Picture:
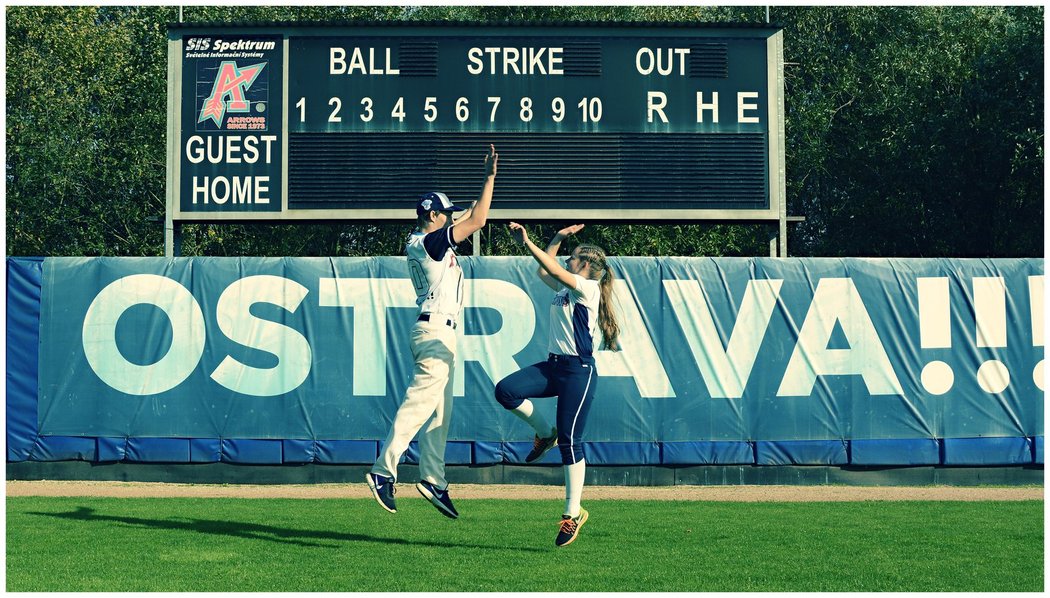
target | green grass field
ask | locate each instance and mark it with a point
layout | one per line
(177, 544)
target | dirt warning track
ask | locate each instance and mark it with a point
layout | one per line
(468, 491)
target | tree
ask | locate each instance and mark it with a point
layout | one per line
(915, 131)
(86, 102)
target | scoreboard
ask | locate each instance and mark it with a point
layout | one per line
(644, 122)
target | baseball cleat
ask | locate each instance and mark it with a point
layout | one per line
(570, 528)
(540, 446)
(382, 489)
(439, 498)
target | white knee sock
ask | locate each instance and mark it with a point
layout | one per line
(574, 487)
(534, 418)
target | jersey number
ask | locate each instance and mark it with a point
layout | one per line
(419, 278)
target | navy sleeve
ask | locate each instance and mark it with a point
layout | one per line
(438, 242)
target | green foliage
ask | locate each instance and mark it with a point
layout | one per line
(911, 131)
(86, 114)
(248, 545)
(915, 131)
(642, 239)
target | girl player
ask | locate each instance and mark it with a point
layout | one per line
(581, 307)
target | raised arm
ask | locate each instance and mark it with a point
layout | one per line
(466, 214)
(548, 264)
(552, 250)
(479, 211)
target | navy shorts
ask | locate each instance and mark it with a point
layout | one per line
(570, 378)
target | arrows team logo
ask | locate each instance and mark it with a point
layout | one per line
(228, 93)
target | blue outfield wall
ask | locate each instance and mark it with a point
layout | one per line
(761, 361)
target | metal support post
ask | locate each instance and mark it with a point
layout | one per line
(783, 232)
(172, 238)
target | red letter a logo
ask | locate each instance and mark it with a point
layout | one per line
(232, 82)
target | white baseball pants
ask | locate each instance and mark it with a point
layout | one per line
(427, 405)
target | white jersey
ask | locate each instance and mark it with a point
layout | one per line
(574, 319)
(435, 272)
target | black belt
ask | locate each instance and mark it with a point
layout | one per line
(426, 318)
(564, 358)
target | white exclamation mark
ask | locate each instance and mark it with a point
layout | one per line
(1035, 296)
(989, 307)
(935, 332)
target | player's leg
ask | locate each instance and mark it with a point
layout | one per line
(431, 373)
(576, 394)
(432, 441)
(514, 393)
(434, 437)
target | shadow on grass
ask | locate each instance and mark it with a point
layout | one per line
(254, 531)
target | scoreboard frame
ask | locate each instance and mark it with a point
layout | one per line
(237, 158)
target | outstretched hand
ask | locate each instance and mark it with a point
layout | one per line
(570, 230)
(518, 233)
(491, 160)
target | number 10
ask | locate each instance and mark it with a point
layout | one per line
(590, 109)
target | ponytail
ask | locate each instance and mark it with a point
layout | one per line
(606, 313)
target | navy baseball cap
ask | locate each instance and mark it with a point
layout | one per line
(435, 200)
